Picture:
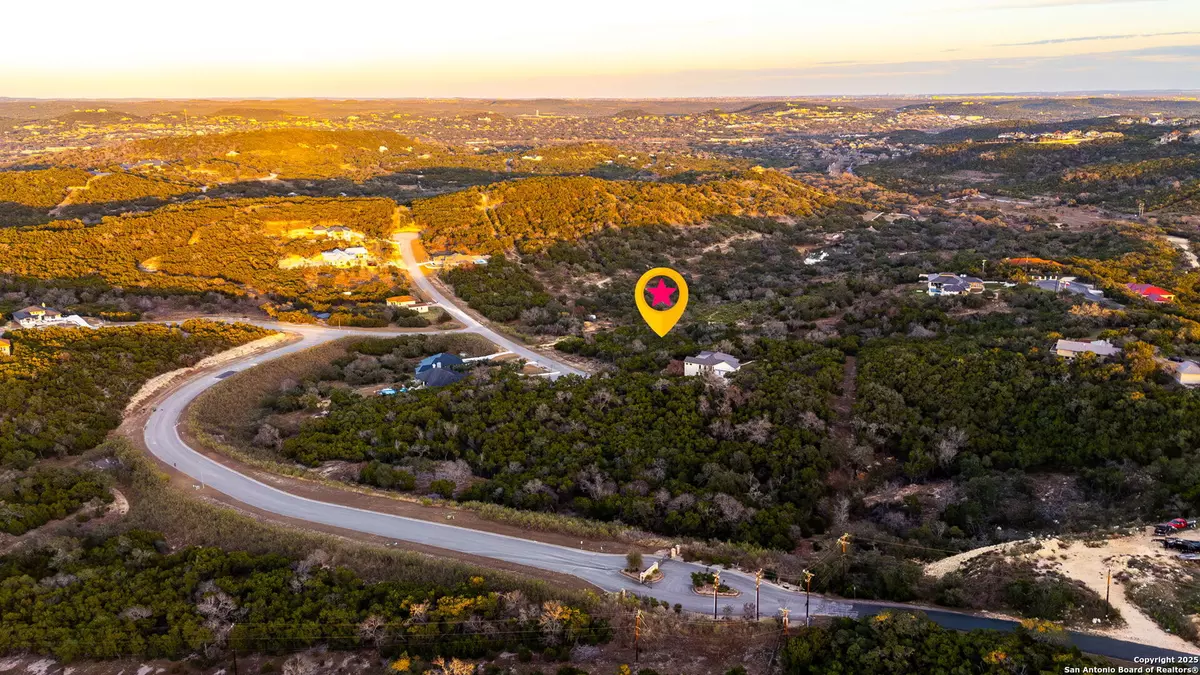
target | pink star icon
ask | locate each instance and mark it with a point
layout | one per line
(660, 294)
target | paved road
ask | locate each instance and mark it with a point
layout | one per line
(404, 240)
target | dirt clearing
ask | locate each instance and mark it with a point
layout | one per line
(1091, 562)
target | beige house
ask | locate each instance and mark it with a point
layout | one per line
(5, 347)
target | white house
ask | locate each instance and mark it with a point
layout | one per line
(1069, 349)
(717, 363)
(351, 255)
(1187, 373)
(944, 283)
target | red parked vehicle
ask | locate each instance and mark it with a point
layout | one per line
(1173, 526)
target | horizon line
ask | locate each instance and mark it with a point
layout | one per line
(1070, 93)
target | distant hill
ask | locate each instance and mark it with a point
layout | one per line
(770, 107)
(531, 214)
(97, 117)
(312, 154)
(1118, 172)
(631, 113)
(287, 153)
(1042, 108)
(231, 247)
(261, 114)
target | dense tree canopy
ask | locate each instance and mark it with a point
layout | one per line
(26, 197)
(47, 494)
(128, 596)
(503, 291)
(534, 213)
(64, 388)
(232, 247)
(895, 642)
(957, 406)
(742, 461)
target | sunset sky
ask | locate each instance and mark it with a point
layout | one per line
(616, 48)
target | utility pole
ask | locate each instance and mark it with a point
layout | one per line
(844, 541)
(716, 587)
(1107, 591)
(757, 583)
(637, 634)
(808, 577)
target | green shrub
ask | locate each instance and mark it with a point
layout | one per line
(443, 487)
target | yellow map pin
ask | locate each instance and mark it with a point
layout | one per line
(661, 321)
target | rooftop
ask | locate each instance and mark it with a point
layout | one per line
(1101, 347)
(439, 377)
(707, 358)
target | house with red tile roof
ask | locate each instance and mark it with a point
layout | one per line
(1152, 293)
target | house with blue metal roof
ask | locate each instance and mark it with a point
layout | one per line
(439, 377)
(442, 360)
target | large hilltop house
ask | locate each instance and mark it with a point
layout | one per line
(350, 256)
(715, 363)
(34, 316)
(345, 257)
(1152, 293)
(945, 283)
(42, 317)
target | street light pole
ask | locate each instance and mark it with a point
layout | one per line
(808, 577)
(845, 543)
(716, 587)
(757, 583)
